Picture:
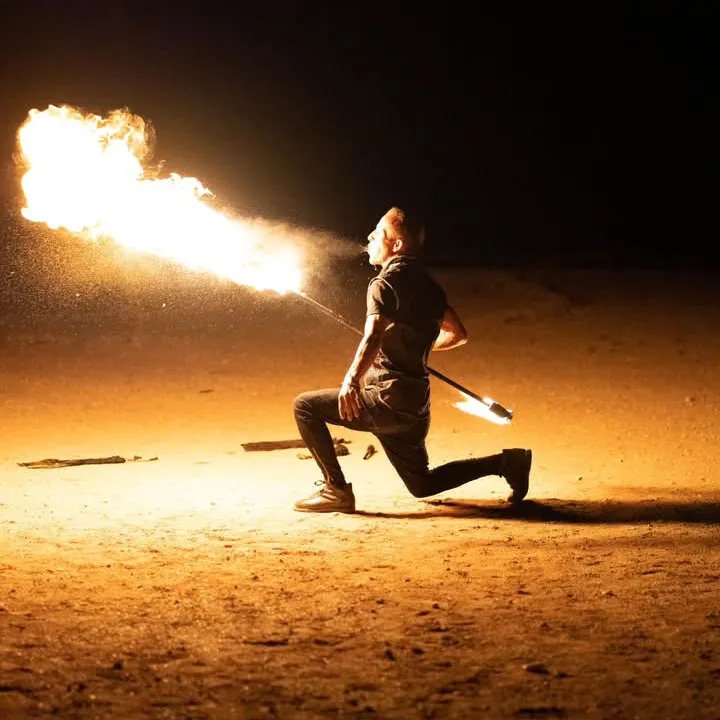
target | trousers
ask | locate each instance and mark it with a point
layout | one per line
(401, 435)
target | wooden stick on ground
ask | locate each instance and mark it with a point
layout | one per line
(49, 463)
(282, 444)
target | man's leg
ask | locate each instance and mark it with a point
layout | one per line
(313, 411)
(405, 449)
(408, 455)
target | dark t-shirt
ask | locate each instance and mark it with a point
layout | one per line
(415, 304)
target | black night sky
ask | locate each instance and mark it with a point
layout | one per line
(579, 138)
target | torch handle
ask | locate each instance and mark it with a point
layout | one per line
(330, 313)
(457, 386)
(339, 318)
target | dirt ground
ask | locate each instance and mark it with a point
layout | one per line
(186, 586)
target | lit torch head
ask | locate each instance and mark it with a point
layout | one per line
(487, 409)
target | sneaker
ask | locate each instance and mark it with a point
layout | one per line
(516, 470)
(329, 498)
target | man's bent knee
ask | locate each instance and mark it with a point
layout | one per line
(302, 405)
(418, 486)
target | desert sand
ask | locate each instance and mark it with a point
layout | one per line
(187, 587)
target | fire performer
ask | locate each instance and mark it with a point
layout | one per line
(386, 390)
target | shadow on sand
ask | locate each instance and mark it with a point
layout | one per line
(569, 511)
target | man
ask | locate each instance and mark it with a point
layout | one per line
(386, 390)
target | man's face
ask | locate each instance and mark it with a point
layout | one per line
(380, 243)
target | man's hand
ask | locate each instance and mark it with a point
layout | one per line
(349, 399)
(349, 396)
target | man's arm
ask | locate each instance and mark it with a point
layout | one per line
(349, 397)
(452, 332)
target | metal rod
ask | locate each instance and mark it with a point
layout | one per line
(493, 406)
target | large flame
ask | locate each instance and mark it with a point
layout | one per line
(480, 409)
(85, 174)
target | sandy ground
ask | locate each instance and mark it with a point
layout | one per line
(186, 587)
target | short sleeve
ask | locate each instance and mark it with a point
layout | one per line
(381, 298)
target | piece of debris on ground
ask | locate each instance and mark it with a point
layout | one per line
(369, 452)
(266, 445)
(49, 463)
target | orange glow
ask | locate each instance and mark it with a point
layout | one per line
(480, 409)
(85, 173)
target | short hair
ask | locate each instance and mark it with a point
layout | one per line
(408, 227)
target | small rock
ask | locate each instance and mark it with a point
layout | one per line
(536, 667)
(389, 654)
(268, 642)
(540, 711)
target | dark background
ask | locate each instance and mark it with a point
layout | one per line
(579, 138)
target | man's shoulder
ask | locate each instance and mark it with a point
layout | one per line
(411, 273)
(406, 267)
(380, 282)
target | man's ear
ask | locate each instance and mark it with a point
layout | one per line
(398, 245)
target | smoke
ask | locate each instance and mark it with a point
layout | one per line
(321, 249)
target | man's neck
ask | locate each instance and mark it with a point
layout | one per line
(392, 258)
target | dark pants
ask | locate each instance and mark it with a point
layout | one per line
(402, 437)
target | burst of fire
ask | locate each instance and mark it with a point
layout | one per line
(480, 409)
(85, 173)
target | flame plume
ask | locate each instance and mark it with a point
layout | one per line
(85, 173)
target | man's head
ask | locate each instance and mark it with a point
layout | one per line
(396, 233)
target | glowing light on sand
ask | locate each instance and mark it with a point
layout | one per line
(85, 173)
(480, 409)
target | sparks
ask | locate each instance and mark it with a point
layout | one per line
(85, 174)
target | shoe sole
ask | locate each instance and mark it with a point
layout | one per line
(346, 511)
(515, 497)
